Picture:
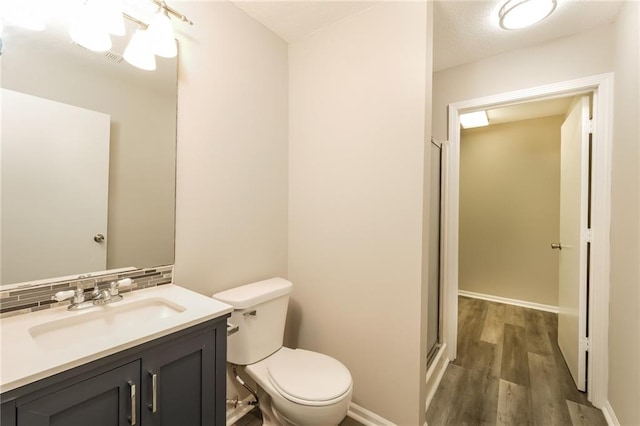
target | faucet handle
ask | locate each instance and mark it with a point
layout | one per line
(114, 286)
(125, 282)
(77, 295)
(63, 295)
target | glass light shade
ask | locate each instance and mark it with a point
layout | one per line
(90, 36)
(139, 52)
(27, 19)
(516, 14)
(88, 27)
(112, 15)
(162, 38)
(474, 119)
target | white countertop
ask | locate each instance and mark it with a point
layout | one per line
(24, 360)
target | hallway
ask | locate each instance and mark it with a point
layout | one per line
(509, 371)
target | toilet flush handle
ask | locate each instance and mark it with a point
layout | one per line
(232, 328)
(251, 313)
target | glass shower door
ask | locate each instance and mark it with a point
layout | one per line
(434, 304)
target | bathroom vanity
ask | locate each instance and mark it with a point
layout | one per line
(157, 358)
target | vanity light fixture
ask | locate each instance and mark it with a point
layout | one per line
(163, 41)
(89, 28)
(139, 52)
(25, 15)
(94, 21)
(517, 14)
(474, 119)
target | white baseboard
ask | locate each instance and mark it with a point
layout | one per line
(362, 415)
(366, 417)
(516, 302)
(235, 414)
(609, 415)
(435, 372)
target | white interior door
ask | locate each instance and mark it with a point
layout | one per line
(574, 187)
(54, 180)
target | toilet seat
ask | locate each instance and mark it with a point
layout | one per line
(308, 378)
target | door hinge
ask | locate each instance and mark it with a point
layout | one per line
(585, 344)
(587, 235)
(590, 126)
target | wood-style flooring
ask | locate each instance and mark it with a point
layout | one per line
(509, 371)
(254, 418)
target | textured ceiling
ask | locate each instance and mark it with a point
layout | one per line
(292, 19)
(464, 31)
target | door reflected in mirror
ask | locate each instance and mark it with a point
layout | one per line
(134, 165)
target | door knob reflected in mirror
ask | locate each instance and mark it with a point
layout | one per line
(98, 238)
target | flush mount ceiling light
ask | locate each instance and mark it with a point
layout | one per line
(516, 14)
(474, 119)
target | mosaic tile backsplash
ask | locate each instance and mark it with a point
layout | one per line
(22, 300)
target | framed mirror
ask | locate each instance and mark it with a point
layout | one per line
(55, 176)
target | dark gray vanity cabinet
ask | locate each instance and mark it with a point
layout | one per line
(107, 399)
(177, 380)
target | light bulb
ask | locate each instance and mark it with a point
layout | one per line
(90, 36)
(161, 32)
(139, 52)
(88, 28)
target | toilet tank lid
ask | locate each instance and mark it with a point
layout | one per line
(253, 294)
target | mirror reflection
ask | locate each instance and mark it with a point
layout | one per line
(87, 158)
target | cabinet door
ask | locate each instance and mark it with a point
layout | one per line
(108, 399)
(184, 376)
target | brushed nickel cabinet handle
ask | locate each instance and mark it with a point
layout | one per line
(132, 388)
(154, 392)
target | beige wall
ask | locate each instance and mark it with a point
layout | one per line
(585, 54)
(231, 201)
(606, 49)
(624, 328)
(231, 213)
(142, 145)
(357, 131)
(510, 209)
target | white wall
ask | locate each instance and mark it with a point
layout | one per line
(231, 213)
(510, 210)
(609, 48)
(624, 328)
(356, 158)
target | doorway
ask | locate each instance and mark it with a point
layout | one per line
(600, 87)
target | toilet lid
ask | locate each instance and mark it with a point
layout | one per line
(304, 376)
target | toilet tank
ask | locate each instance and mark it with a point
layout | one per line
(260, 312)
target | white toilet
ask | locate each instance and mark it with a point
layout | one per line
(295, 386)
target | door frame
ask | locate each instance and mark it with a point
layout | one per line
(601, 86)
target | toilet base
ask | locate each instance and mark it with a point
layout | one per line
(272, 417)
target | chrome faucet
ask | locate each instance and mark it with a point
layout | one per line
(96, 298)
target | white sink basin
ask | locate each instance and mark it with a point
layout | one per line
(43, 343)
(101, 322)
